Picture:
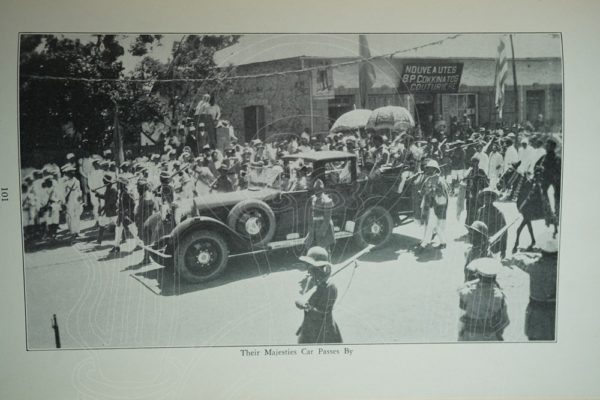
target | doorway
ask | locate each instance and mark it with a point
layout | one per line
(254, 123)
(535, 104)
(424, 117)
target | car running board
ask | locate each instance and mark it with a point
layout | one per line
(284, 244)
(300, 241)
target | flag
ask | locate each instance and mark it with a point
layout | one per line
(501, 75)
(366, 71)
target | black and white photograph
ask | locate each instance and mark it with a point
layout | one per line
(290, 189)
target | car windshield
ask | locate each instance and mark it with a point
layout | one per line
(261, 177)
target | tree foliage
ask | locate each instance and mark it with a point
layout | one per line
(192, 57)
(143, 43)
(57, 116)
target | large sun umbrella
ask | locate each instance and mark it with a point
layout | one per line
(351, 120)
(390, 117)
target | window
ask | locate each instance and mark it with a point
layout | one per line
(455, 105)
(535, 102)
(338, 106)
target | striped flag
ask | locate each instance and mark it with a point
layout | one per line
(501, 75)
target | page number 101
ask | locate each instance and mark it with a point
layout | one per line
(4, 194)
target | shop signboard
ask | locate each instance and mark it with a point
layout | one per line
(430, 77)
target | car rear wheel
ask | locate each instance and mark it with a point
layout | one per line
(201, 256)
(374, 226)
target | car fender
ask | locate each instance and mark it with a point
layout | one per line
(374, 200)
(206, 223)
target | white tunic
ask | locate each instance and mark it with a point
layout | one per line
(510, 157)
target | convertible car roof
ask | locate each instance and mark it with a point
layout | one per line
(313, 156)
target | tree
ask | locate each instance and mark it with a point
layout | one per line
(143, 43)
(60, 114)
(192, 57)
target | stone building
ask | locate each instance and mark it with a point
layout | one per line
(286, 101)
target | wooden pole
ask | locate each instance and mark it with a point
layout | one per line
(312, 124)
(514, 68)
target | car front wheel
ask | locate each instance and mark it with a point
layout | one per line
(201, 256)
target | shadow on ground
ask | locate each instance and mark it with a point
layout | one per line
(163, 281)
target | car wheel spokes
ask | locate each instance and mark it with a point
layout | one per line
(375, 228)
(252, 224)
(203, 257)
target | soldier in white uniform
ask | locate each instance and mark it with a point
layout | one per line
(525, 157)
(484, 160)
(51, 205)
(73, 199)
(511, 156)
(496, 167)
(28, 205)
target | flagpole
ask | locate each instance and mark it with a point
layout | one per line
(117, 138)
(498, 112)
(312, 119)
(514, 68)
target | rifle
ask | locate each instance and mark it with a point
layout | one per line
(72, 187)
(45, 207)
(309, 286)
(134, 176)
(502, 231)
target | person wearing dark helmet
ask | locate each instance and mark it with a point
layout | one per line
(480, 247)
(550, 172)
(541, 266)
(493, 218)
(147, 206)
(108, 211)
(319, 296)
(476, 180)
(125, 213)
(320, 224)
(485, 311)
(434, 206)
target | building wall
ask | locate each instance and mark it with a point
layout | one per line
(287, 99)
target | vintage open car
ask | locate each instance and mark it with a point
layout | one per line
(268, 215)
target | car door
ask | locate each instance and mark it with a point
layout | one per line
(291, 210)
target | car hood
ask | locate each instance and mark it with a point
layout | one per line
(217, 199)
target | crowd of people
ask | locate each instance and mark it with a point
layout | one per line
(477, 166)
